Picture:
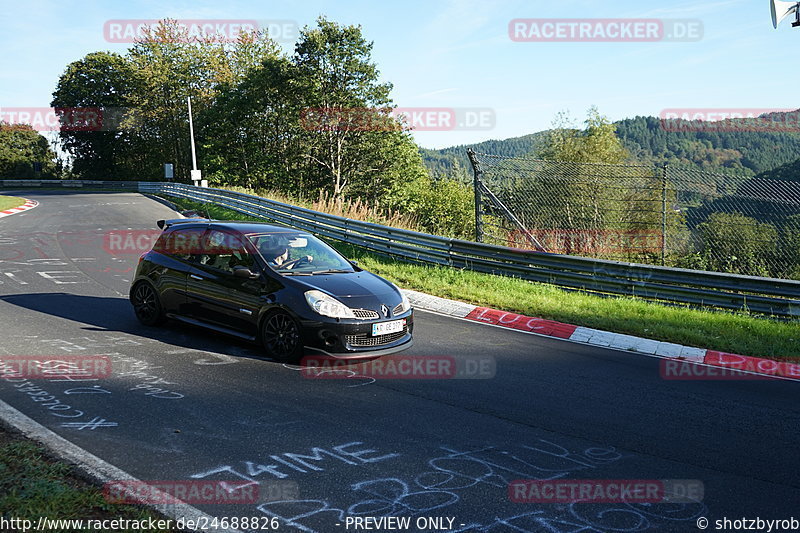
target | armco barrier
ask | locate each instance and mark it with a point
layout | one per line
(777, 297)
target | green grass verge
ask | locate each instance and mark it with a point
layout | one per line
(705, 328)
(7, 202)
(33, 485)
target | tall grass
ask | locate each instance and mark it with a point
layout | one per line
(324, 202)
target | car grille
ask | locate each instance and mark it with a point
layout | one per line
(363, 340)
(397, 309)
(365, 314)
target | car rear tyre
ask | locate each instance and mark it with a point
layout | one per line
(147, 305)
(280, 335)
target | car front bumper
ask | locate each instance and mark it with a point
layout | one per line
(354, 339)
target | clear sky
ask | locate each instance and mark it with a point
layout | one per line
(458, 54)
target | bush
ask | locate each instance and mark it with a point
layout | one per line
(441, 207)
(732, 242)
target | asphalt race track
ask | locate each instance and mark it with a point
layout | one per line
(181, 403)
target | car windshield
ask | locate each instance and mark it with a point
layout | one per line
(298, 253)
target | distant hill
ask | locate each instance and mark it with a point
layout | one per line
(453, 161)
(733, 145)
(787, 172)
(738, 148)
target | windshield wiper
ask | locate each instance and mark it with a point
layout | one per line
(333, 271)
(293, 273)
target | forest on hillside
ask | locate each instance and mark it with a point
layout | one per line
(735, 148)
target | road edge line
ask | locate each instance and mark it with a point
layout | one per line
(97, 469)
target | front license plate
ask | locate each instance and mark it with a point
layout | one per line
(382, 328)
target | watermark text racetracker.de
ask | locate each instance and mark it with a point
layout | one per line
(105, 525)
(398, 119)
(52, 367)
(193, 30)
(76, 119)
(609, 30)
(730, 119)
(119, 242)
(401, 367)
(198, 492)
(722, 366)
(644, 491)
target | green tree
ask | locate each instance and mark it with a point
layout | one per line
(348, 106)
(597, 143)
(253, 137)
(101, 82)
(443, 206)
(252, 132)
(789, 248)
(579, 187)
(171, 66)
(20, 147)
(317, 121)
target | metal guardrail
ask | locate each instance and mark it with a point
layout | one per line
(68, 184)
(770, 296)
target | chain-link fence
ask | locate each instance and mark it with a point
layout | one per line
(667, 215)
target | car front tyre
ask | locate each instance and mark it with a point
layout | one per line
(280, 335)
(146, 304)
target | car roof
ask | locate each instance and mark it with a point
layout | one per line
(245, 227)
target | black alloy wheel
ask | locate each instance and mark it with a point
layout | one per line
(146, 305)
(280, 335)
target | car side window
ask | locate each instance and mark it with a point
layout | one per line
(224, 251)
(180, 243)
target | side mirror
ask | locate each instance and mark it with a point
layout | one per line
(353, 262)
(244, 273)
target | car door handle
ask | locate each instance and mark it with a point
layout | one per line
(195, 277)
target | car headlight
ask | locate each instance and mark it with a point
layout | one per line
(405, 302)
(328, 305)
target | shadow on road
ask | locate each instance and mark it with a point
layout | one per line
(116, 315)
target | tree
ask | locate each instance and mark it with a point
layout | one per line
(443, 206)
(581, 190)
(253, 130)
(101, 82)
(597, 143)
(589, 200)
(316, 121)
(789, 249)
(20, 147)
(172, 66)
(350, 109)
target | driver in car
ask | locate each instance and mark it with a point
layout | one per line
(279, 258)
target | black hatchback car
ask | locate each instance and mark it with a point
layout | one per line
(278, 285)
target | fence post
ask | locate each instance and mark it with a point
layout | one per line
(664, 215)
(476, 186)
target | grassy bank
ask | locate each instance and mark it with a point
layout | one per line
(7, 202)
(33, 485)
(719, 330)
